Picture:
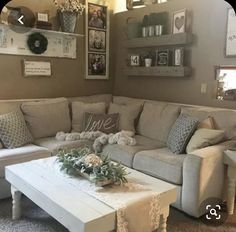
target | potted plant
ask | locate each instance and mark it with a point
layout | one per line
(68, 12)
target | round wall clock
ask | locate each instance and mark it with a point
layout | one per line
(37, 43)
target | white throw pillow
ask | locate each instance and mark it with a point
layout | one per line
(78, 112)
(207, 123)
(128, 114)
(46, 118)
(204, 138)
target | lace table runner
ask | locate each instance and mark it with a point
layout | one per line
(138, 208)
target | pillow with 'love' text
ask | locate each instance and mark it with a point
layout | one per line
(106, 123)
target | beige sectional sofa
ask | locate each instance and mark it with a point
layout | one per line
(197, 176)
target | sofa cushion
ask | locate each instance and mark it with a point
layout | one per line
(157, 119)
(223, 119)
(125, 154)
(20, 155)
(204, 138)
(54, 146)
(181, 133)
(46, 118)
(127, 100)
(107, 98)
(106, 123)
(80, 108)
(13, 130)
(128, 114)
(161, 163)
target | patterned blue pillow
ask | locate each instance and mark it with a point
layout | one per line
(181, 132)
(13, 130)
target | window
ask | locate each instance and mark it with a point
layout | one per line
(226, 83)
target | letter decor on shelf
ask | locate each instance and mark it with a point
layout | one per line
(59, 45)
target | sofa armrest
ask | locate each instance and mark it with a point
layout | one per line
(203, 177)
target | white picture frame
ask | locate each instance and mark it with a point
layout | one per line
(97, 60)
(230, 47)
(179, 21)
(135, 60)
(37, 68)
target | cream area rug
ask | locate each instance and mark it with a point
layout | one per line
(36, 220)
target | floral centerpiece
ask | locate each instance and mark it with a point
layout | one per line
(68, 12)
(95, 167)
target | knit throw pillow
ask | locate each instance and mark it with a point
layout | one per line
(13, 130)
(181, 132)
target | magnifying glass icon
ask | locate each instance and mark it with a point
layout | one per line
(213, 212)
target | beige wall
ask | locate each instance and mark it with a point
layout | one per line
(208, 26)
(68, 75)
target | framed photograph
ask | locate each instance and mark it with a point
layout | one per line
(179, 21)
(97, 45)
(97, 65)
(135, 60)
(97, 16)
(97, 40)
(163, 57)
(179, 57)
(37, 68)
(230, 49)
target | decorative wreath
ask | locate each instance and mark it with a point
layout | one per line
(37, 43)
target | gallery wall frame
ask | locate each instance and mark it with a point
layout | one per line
(36, 68)
(230, 41)
(97, 42)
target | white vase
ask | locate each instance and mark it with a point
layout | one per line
(148, 62)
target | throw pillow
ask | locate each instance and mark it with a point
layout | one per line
(1, 146)
(106, 123)
(204, 138)
(46, 118)
(80, 108)
(13, 130)
(207, 123)
(180, 133)
(128, 114)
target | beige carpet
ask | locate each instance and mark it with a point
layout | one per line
(36, 220)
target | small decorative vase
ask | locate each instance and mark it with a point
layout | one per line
(68, 21)
(151, 31)
(148, 62)
(159, 30)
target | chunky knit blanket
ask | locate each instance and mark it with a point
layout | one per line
(100, 139)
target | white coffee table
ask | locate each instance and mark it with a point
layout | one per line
(76, 210)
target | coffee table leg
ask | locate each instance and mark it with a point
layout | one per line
(163, 220)
(16, 204)
(231, 195)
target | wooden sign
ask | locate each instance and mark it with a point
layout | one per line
(37, 68)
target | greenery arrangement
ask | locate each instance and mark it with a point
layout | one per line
(96, 167)
(70, 6)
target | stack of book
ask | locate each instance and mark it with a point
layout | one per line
(44, 25)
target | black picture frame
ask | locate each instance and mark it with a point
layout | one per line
(163, 57)
(97, 64)
(96, 40)
(97, 16)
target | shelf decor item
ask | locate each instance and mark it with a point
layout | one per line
(37, 43)
(179, 57)
(68, 14)
(135, 60)
(179, 21)
(97, 168)
(163, 57)
(145, 26)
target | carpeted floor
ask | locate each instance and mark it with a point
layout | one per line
(36, 220)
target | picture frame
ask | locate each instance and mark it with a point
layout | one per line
(37, 68)
(97, 64)
(97, 40)
(163, 57)
(97, 45)
(97, 16)
(179, 21)
(135, 60)
(42, 17)
(230, 44)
